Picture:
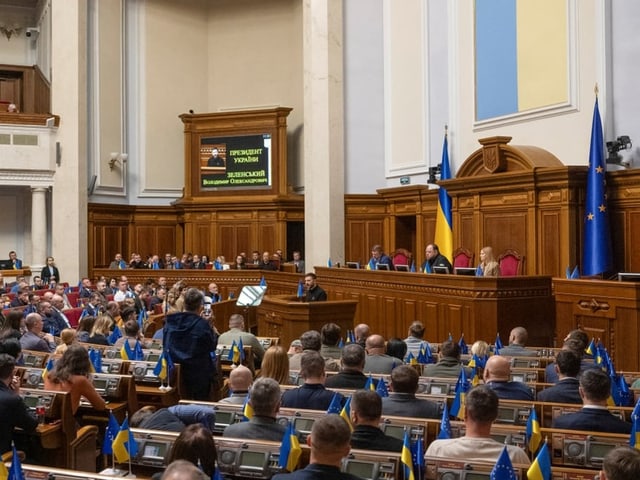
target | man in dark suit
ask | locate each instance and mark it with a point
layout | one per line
(366, 410)
(595, 388)
(497, 373)
(329, 444)
(312, 394)
(567, 367)
(13, 411)
(352, 363)
(50, 272)
(402, 399)
(264, 398)
(15, 261)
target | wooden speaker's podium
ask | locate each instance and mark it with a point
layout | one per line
(286, 317)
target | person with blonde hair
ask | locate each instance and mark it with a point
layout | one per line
(101, 330)
(275, 364)
(68, 336)
(488, 265)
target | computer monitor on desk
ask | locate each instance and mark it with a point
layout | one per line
(628, 277)
(471, 272)
(402, 268)
(355, 265)
(441, 270)
(382, 266)
(6, 265)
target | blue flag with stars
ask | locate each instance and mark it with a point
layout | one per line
(597, 256)
(503, 469)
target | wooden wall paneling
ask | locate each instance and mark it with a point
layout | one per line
(113, 241)
(267, 237)
(432, 321)
(467, 234)
(407, 315)
(632, 233)
(355, 241)
(226, 242)
(145, 243)
(165, 240)
(505, 230)
(551, 242)
(202, 241)
(390, 306)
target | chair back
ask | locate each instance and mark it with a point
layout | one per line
(462, 257)
(511, 263)
(401, 256)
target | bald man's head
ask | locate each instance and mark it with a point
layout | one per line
(498, 369)
(240, 379)
(519, 336)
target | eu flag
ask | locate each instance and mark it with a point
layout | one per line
(444, 223)
(445, 424)
(597, 257)
(503, 469)
(15, 471)
(336, 404)
(110, 433)
(300, 293)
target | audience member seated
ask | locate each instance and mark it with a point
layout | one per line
(309, 341)
(595, 388)
(415, 338)
(174, 418)
(67, 337)
(11, 346)
(275, 364)
(84, 328)
(65, 305)
(352, 364)
(34, 338)
(312, 394)
(240, 380)
(181, 470)
(566, 390)
(101, 331)
(13, 411)
(402, 399)
(330, 334)
(361, 332)
(517, 341)
(236, 332)
(52, 321)
(576, 341)
(94, 305)
(21, 299)
(264, 398)
(71, 374)
(497, 374)
(621, 463)
(195, 445)
(266, 263)
(58, 307)
(366, 411)
(85, 288)
(14, 325)
(377, 361)
(329, 442)
(448, 365)
(481, 410)
(396, 348)
(131, 335)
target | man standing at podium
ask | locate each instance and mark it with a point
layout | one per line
(314, 292)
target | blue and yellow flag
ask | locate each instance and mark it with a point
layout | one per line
(444, 218)
(4, 473)
(247, 410)
(405, 457)
(161, 369)
(597, 256)
(110, 433)
(411, 360)
(346, 412)
(47, 368)
(369, 384)
(290, 450)
(329, 263)
(540, 469)
(124, 446)
(498, 345)
(413, 267)
(457, 407)
(371, 265)
(300, 292)
(95, 356)
(336, 404)
(427, 267)
(503, 469)
(591, 348)
(634, 438)
(445, 424)
(15, 471)
(534, 437)
(126, 353)
(263, 282)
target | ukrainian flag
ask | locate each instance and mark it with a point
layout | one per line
(290, 450)
(161, 369)
(48, 367)
(457, 407)
(540, 469)
(634, 439)
(124, 446)
(444, 217)
(369, 385)
(405, 457)
(534, 437)
(126, 353)
(346, 412)
(247, 410)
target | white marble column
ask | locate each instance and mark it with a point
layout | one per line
(323, 131)
(38, 227)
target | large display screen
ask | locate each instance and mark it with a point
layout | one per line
(235, 162)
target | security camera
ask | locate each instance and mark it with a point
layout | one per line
(32, 31)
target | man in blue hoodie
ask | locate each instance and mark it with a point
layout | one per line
(191, 342)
